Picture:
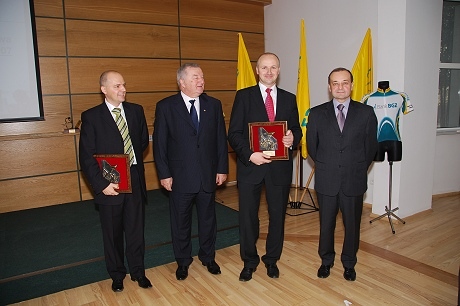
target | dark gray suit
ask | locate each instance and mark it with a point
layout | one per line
(100, 135)
(249, 107)
(193, 160)
(341, 163)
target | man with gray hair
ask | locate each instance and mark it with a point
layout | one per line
(191, 157)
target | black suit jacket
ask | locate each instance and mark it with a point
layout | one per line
(249, 107)
(191, 158)
(99, 134)
(342, 158)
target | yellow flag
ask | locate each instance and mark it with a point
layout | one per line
(363, 69)
(303, 92)
(244, 73)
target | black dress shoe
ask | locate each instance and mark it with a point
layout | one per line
(182, 272)
(349, 274)
(117, 285)
(272, 270)
(142, 281)
(324, 271)
(246, 274)
(213, 267)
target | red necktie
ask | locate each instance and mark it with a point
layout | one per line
(269, 106)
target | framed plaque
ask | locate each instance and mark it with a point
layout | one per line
(267, 137)
(115, 169)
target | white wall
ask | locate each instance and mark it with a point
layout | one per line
(406, 39)
(446, 176)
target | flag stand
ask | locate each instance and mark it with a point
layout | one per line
(297, 204)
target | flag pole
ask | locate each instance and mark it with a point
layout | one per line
(303, 104)
(297, 175)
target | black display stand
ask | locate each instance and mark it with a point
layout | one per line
(298, 205)
(388, 211)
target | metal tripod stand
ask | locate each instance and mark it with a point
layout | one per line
(297, 204)
(388, 211)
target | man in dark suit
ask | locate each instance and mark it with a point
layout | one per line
(121, 214)
(342, 141)
(254, 169)
(191, 157)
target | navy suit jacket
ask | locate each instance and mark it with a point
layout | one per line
(249, 107)
(342, 158)
(191, 158)
(99, 134)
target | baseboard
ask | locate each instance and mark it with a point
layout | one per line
(444, 195)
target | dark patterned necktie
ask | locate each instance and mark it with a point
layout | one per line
(269, 106)
(123, 127)
(194, 115)
(340, 116)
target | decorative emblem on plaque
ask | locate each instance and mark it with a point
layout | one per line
(110, 173)
(267, 141)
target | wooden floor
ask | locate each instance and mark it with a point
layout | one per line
(419, 265)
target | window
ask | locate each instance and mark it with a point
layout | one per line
(449, 69)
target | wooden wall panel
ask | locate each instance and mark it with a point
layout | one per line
(151, 176)
(27, 157)
(225, 15)
(86, 193)
(149, 102)
(257, 2)
(50, 36)
(219, 75)
(56, 109)
(153, 12)
(39, 191)
(141, 40)
(49, 8)
(227, 98)
(115, 39)
(140, 74)
(53, 75)
(218, 45)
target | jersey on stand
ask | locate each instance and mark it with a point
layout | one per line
(388, 106)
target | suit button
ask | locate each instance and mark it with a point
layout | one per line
(341, 151)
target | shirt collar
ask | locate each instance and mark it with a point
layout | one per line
(111, 107)
(263, 88)
(346, 104)
(187, 98)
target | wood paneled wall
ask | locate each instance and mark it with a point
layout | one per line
(146, 41)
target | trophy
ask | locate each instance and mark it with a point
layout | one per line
(68, 126)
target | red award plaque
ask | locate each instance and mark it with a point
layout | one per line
(267, 137)
(115, 169)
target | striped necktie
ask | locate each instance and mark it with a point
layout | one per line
(123, 127)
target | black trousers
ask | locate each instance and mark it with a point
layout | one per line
(351, 208)
(124, 222)
(249, 202)
(181, 205)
